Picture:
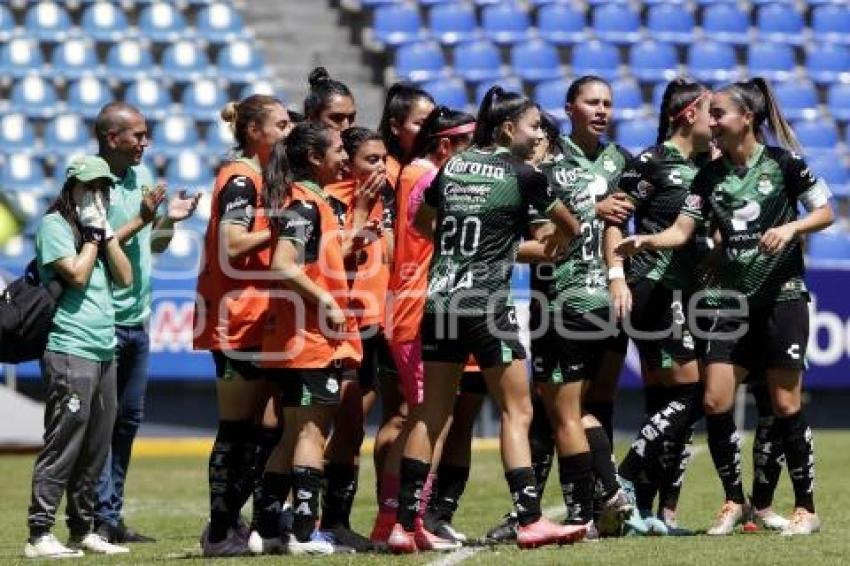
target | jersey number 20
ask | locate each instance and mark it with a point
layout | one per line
(464, 235)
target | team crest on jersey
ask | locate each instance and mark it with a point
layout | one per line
(564, 177)
(643, 188)
(609, 165)
(765, 185)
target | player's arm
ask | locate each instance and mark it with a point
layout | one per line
(425, 219)
(621, 295)
(676, 236)
(534, 249)
(235, 205)
(364, 231)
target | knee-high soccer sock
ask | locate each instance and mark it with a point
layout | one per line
(450, 485)
(524, 494)
(306, 488)
(604, 413)
(724, 442)
(800, 455)
(388, 493)
(603, 465)
(255, 455)
(768, 452)
(338, 499)
(676, 452)
(414, 474)
(224, 464)
(645, 483)
(542, 443)
(274, 489)
(576, 475)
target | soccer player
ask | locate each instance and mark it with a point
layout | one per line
(76, 244)
(479, 201)
(231, 307)
(329, 101)
(405, 109)
(761, 320)
(653, 297)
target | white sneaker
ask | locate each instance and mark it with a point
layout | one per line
(96, 544)
(314, 546)
(259, 545)
(231, 545)
(802, 523)
(727, 518)
(770, 519)
(47, 546)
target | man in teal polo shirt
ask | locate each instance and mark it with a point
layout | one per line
(122, 137)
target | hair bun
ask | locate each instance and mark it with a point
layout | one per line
(229, 113)
(317, 76)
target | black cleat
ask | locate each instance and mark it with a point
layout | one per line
(503, 533)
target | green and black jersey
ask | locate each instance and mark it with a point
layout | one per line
(744, 203)
(579, 282)
(482, 198)
(657, 181)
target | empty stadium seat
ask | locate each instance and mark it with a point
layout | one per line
(452, 23)
(670, 22)
(831, 22)
(34, 97)
(202, 100)
(816, 136)
(396, 24)
(185, 62)
(17, 252)
(7, 23)
(22, 172)
(535, 61)
(87, 96)
(551, 96)
(47, 21)
(219, 138)
(596, 58)
(151, 98)
(712, 61)
(798, 99)
(219, 22)
(104, 21)
(653, 61)
(67, 134)
(505, 23)
(510, 84)
(833, 172)
(726, 23)
(828, 246)
(838, 101)
(828, 63)
(239, 62)
(635, 135)
(174, 134)
(477, 61)
(616, 23)
(448, 92)
(188, 171)
(562, 24)
(162, 22)
(262, 86)
(130, 59)
(780, 22)
(628, 99)
(422, 61)
(19, 57)
(773, 61)
(74, 58)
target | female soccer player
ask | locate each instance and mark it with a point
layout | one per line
(329, 101)
(655, 294)
(75, 244)
(405, 109)
(480, 200)
(230, 313)
(751, 194)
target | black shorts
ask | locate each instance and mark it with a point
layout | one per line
(237, 362)
(377, 360)
(472, 382)
(572, 347)
(775, 336)
(451, 338)
(307, 387)
(657, 309)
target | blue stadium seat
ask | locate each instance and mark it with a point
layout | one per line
(478, 61)
(16, 253)
(188, 171)
(562, 24)
(510, 84)
(261, 87)
(828, 63)
(202, 100)
(34, 97)
(219, 138)
(838, 101)
(74, 58)
(239, 62)
(596, 58)
(87, 96)
(174, 134)
(22, 172)
(16, 134)
(452, 23)
(422, 61)
(7, 23)
(670, 22)
(616, 23)
(535, 61)
(833, 172)
(47, 21)
(65, 135)
(780, 22)
(816, 136)
(505, 23)
(774, 61)
(104, 21)
(727, 23)
(798, 99)
(635, 135)
(19, 57)
(185, 62)
(130, 59)
(829, 246)
(628, 99)
(711, 61)
(396, 25)
(653, 61)
(551, 97)
(658, 95)
(151, 98)
(831, 22)
(448, 92)
(162, 22)
(219, 22)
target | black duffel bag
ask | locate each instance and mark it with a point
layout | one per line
(26, 316)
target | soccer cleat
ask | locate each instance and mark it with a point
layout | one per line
(803, 522)
(730, 515)
(445, 530)
(231, 545)
(503, 533)
(633, 524)
(319, 543)
(96, 544)
(544, 532)
(287, 516)
(259, 545)
(613, 514)
(591, 533)
(426, 540)
(47, 546)
(769, 519)
(345, 537)
(401, 541)
(668, 516)
(383, 527)
(655, 526)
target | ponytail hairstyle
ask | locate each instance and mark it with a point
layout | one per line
(355, 136)
(552, 129)
(399, 101)
(435, 127)
(498, 107)
(250, 110)
(679, 97)
(322, 89)
(277, 179)
(756, 96)
(576, 86)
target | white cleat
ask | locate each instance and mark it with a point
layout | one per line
(259, 545)
(315, 545)
(769, 519)
(96, 544)
(47, 546)
(231, 545)
(802, 522)
(730, 515)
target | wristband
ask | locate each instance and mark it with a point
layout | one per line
(616, 272)
(94, 235)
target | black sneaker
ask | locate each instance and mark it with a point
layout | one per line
(445, 530)
(344, 536)
(503, 533)
(121, 533)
